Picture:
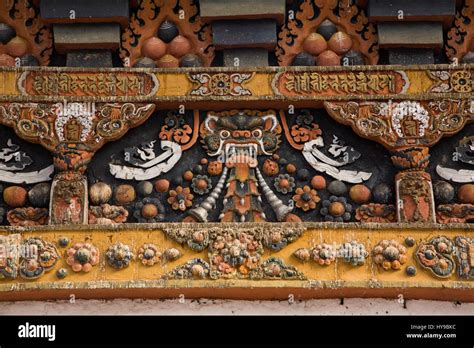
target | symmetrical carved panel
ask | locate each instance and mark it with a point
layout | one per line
(176, 16)
(344, 14)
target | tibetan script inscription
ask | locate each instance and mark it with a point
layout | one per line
(321, 83)
(87, 84)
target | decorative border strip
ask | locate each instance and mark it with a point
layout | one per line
(261, 88)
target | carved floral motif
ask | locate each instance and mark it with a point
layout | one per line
(149, 254)
(353, 253)
(375, 212)
(195, 268)
(37, 257)
(82, 257)
(107, 214)
(436, 256)
(389, 254)
(220, 84)
(276, 268)
(119, 255)
(454, 213)
(28, 216)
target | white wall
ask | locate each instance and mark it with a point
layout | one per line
(229, 307)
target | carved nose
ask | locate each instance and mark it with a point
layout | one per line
(241, 134)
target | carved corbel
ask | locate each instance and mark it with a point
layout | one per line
(73, 133)
(408, 129)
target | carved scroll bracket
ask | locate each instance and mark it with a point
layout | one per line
(73, 132)
(407, 129)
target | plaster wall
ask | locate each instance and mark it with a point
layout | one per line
(353, 306)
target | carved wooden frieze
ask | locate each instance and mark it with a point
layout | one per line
(295, 85)
(313, 83)
(311, 260)
(87, 83)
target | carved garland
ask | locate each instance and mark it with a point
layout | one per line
(312, 13)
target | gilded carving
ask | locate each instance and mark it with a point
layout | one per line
(303, 83)
(398, 124)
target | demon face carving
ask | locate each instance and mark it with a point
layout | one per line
(238, 138)
(241, 135)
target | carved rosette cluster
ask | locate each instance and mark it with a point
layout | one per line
(236, 253)
(346, 15)
(24, 18)
(460, 37)
(145, 23)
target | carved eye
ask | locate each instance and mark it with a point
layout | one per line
(225, 134)
(257, 133)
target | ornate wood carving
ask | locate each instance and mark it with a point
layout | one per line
(24, 18)
(74, 131)
(408, 129)
(406, 123)
(86, 83)
(145, 22)
(347, 16)
(461, 36)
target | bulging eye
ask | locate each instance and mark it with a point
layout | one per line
(225, 134)
(257, 133)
